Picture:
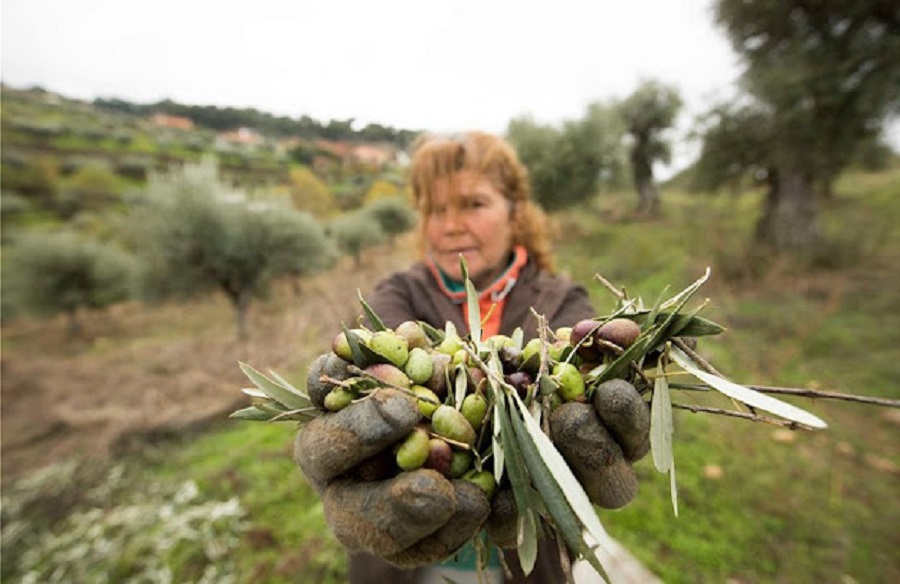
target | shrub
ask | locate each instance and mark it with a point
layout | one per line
(63, 272)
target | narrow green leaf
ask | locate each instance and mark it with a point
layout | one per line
(287, 384)
(746, 395)
(554, 486)
(661, 426)
(673, 488)
(656, 307)
(687, 325)
(527, 525)
(527, 540)
(461, 385)
(252, 413)
(362, 355)
(279, 393)
(433, 334)
(373, 318)
(682, 296)
(518, 338)
(619, 366)
(474, 309)
(253, 392)
(497, 443)
(662, 333)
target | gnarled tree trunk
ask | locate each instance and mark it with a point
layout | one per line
(790, 216)
(648, 198)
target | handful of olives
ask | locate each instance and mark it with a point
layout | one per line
(448, 382)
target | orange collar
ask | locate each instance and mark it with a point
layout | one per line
(492, 298)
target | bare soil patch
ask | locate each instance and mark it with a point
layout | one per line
(139, 372)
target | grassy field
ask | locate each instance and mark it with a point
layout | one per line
(757, 503)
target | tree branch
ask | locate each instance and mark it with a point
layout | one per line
(743, 415)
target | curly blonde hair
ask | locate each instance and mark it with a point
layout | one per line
(436, 157)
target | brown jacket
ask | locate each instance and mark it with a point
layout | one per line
(414, 294)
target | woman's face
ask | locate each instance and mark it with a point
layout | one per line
(469, 217)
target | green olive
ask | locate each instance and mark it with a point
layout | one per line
(413, 451)
(450, 423)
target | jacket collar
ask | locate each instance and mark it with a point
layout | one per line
(496, 292)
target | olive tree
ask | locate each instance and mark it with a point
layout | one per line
(64, 272)
(196, 233)
(355, 231)
(648, 113)
(392, 214)
(566, 164)
(826, 75)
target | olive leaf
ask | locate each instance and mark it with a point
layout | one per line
(360, 359)
(251, 413)
(679, 300)
(291, 398)
(472, 305)
(682, 296)
(434, 335)
(561, 493)
(686, 325)
(661, 430)
(287, 384)
(526, 524)
(377, 324)
(462, 383)
(746, 395)
(661, 426)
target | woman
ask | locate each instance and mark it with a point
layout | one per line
(473, 199)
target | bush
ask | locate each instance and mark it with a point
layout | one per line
(392, 214)
(353, 232)
(50, 273)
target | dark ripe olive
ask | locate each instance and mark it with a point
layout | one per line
(622, 332)
(476, 376)
(582, 329)
(511, 357)
(520, 380)
(438, 382)
(440, 456)
(583, 332)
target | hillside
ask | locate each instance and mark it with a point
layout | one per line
(50, 142)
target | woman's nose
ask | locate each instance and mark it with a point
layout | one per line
(453, 221)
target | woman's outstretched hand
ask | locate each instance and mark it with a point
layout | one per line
(417, 517)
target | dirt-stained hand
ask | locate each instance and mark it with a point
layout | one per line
(601, 440)
(412, 518)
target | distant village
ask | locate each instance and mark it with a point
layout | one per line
(377, 156)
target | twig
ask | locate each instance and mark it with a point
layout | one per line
(696, 357)
(311, 412)
(745, 416)
(400, 388)
(814, 393)
(802, 392)
(609, 286)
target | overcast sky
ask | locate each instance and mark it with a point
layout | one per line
(442, 66)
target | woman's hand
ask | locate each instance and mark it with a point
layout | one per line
(414, 518)
(601, 440)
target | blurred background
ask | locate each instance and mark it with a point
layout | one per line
(189, 185)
